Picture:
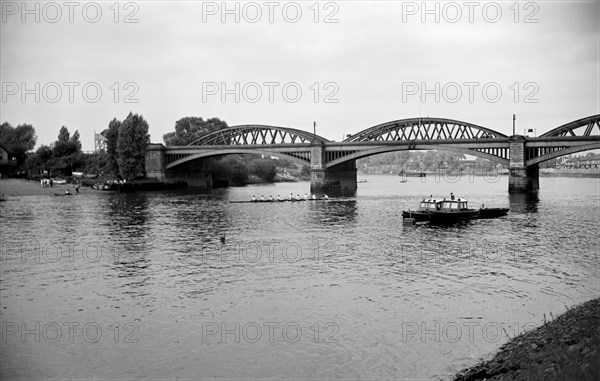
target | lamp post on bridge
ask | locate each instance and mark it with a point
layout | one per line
(514, 119)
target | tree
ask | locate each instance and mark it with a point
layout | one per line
(75, 140)
(112, 136)
(41, 160)
(192, 128)
(18, 140)
(263, 168)
(63, 134)
(65, 145)
(131, 146)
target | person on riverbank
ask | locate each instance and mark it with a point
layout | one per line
(76, 187)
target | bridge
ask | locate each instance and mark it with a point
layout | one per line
(333, 164)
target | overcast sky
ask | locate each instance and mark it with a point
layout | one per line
(348, 65)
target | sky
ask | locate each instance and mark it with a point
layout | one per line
(346, 65)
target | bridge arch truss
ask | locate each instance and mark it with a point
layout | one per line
(424, 129)
(257, 134)
(497, 154)
(576, 136)
(283, 142)
(440, 134)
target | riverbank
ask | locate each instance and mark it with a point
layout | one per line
(22, 187)
(565, 348)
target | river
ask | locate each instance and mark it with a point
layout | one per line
(136, 286)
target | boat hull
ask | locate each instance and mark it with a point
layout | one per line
(450, 217)
(418, 216)
(492, 212)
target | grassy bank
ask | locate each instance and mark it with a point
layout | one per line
(21, 187)
(565, 348)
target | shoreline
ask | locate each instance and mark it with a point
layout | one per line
(564, 348)
(10, 188)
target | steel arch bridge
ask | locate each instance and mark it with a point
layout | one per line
(296, 145)
(517, 152)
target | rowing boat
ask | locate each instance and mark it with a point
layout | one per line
(284, 200)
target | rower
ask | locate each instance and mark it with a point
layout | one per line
(278, 198)
(262, 198)
(314, 197)
(305, 196)
(297, 196)
(270, 197)
(253, 198)
(67, 192)
(326, 197)
(291, 196)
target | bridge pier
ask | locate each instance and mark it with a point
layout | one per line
(339, 180)
(521, 178)
(156, 163)
(156, 168)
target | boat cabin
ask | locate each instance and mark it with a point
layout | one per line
(458, 204)
(430, 204)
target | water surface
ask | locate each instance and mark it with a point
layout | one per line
(132, 286)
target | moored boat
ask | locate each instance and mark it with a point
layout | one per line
(412, 174)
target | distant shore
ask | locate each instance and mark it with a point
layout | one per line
(544, 172)
(561, 172)
(565, 348)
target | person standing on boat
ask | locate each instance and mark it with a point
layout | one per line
(451, 196)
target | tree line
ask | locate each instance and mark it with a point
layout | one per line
(124, 157)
